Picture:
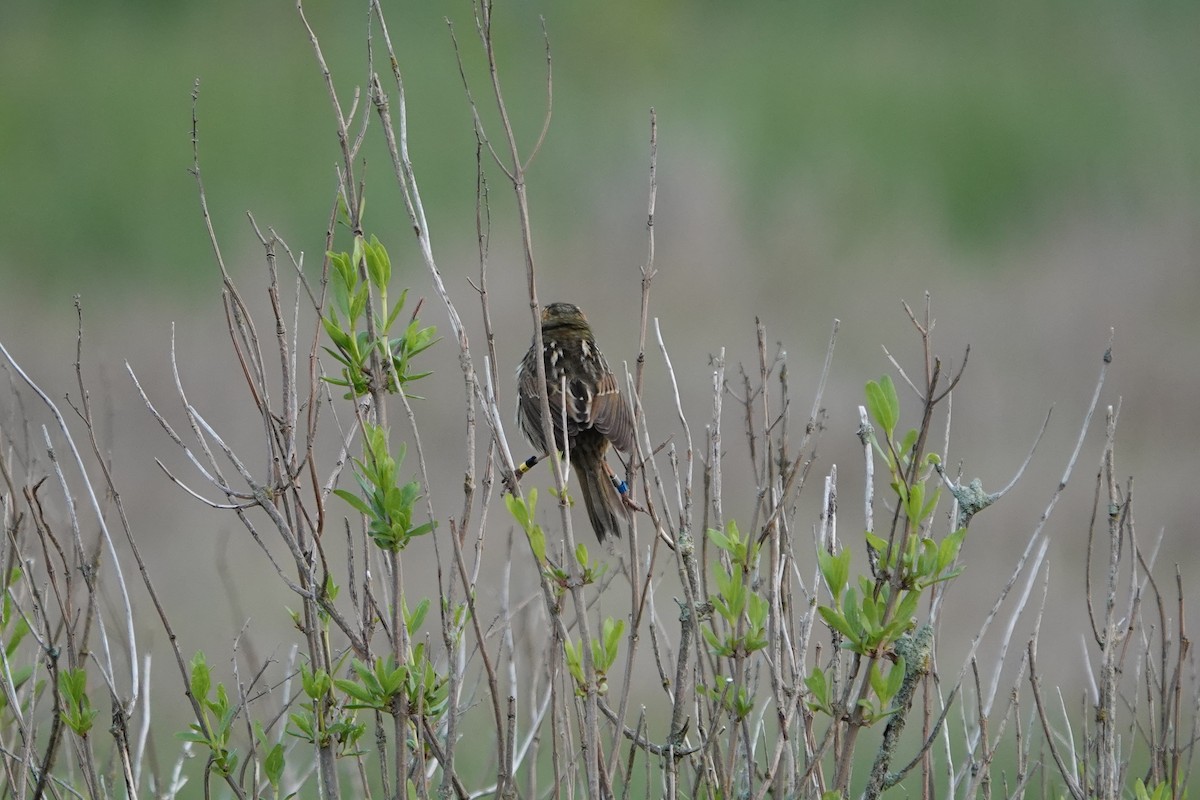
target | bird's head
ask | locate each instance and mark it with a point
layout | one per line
(556, 315)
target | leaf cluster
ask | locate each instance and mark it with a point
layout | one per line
(347, 326)
(388, 505)
(742, 609)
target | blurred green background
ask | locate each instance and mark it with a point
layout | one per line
(978, 130)
(1033, 165)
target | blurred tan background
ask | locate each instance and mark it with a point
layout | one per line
(1035, 166)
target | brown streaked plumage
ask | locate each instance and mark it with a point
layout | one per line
(596, 414)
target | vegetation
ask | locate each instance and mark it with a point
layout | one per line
(717, 652)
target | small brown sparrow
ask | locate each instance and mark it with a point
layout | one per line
(596, 414)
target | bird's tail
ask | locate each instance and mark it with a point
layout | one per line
(605, 508)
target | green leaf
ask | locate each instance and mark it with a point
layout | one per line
(574, 656)
(818, 687)
(355, 501)
(720, 540)
(200, 680)
(316, 683)
(895, 678)
(915, 501)
(949, 548)
(741, 550)
(302, 722)
(422, 529)
(358, 304)
(893, 402)
(928, 563)
(342, 281)
(191, 735)
(369, 677)
(872, 612)
(1160, 791)
(853, 614)
(356, 251)
(876, 543)
(835, 569)
(722, 607)
(273, 765)
(612, 639)
(339, 337)
(19, 677)
(416, 339)
(519, 509)
(883, 404)
(78, 713)
(907, 607)
(756, 610)
(836, 621)
(537, 542)
(718, 645)
(391, 320)
(733, 593)
(878, 685)
(927, 509)
(356, 691)
(414, 620)
(379, 266)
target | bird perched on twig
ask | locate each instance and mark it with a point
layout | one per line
(578, 378)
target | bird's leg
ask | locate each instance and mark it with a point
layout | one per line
(522, 468)
(528, 464)
(622, 488)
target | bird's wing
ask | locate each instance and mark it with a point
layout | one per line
(610, 414)
(529, 408)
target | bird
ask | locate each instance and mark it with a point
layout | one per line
(596, 414)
